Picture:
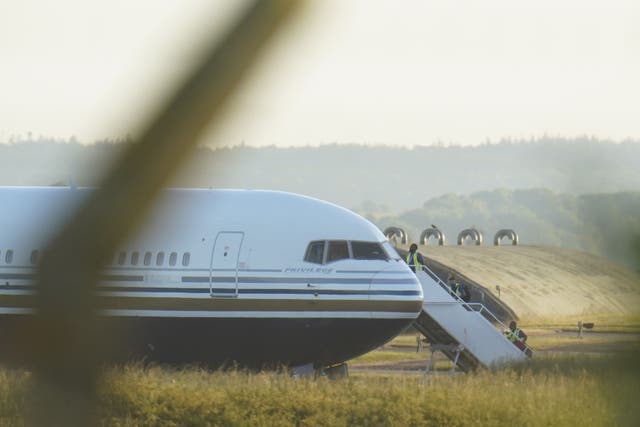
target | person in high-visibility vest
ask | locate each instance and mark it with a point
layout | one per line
(516, 335)
(414, 259)
(453, 286)
(459, 289)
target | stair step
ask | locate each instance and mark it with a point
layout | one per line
(446, 320)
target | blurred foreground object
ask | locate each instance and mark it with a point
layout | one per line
(64, 340)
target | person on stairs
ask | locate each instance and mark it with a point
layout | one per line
(459, 289)
(516, 336)
(414, 259)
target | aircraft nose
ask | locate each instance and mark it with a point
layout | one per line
(395, 293)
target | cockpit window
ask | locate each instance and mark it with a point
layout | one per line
(315, 252)
(326, 251)
(338, 249)
(368, 250)
(393, 254)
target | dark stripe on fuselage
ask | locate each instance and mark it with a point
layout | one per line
(297, 280)
(242, 279)
(17, 276)
(371, 271)
(323, 292)
(7, 287)
(122, 278)
(271, 291)
(105, 277)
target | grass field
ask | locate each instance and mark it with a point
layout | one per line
(388, 356)
(554, 392)
(551, 391)
(555, 389)
(547, 283)
(588, 342)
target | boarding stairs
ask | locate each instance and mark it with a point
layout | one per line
(467, 333)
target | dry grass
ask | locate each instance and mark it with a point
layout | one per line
(609, 323)
(389, 356)
(546, 283)
(550, 391)
(404, 341)
(13, 392)
(587, 342)
(557, 389)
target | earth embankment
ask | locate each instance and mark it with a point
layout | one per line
(542, 282)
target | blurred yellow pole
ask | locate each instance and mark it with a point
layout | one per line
(64, 341)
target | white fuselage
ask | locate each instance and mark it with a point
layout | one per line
(224, 267)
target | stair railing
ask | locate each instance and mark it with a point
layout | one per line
(469, 306)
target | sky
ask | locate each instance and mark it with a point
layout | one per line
(345, 71)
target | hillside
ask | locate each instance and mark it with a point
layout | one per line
(547, 283)
(549, 190)
(374, 179)
(602, 224)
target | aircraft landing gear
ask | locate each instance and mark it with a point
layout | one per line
(337, 371)
(333, 372)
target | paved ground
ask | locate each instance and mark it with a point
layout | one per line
(546, 341)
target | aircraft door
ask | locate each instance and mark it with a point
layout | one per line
(223, 272)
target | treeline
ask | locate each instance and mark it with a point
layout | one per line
(390, 179)
(603, 224)
(412, 188)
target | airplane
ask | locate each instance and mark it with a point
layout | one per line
(249, 277)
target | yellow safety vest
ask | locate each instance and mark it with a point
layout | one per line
(456, 289)
(514, 335)
(416, 265)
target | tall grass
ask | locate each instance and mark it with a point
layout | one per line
(552, 391)
(13, 392)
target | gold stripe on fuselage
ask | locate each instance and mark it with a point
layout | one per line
(228, 304)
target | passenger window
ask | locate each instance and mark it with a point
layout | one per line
(368, 250)
(147, 258)
(315, 252)
(134, 257)
(34, 257)
(160, 258)
(186, 258)
(173, 258)
(122, 257)
(8, 258)
(338, 249)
